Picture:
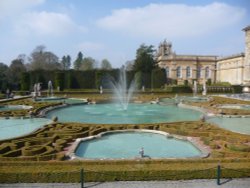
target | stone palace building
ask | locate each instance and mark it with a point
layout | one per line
(234, 69)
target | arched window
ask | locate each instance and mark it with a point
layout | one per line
(167, 72)
(199, 72)
(188, 72)
(207, 72)
(178, 72)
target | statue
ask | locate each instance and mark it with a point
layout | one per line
(39, 89)
(141, 152)
(204, 92)
(35, 90)
(101, 91)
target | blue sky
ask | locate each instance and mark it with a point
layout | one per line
(114, 29)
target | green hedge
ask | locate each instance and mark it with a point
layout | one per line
(59, 81)
(158, 78)
(142, 173)
(179, 89)
(237, 88)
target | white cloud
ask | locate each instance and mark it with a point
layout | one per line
(172, 20)
(47, 23)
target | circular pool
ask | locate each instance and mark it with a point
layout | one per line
(115, 114)
(119, 145)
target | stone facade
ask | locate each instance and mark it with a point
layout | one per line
(186, 67)
(234, 69)
(246, 77)
(230, 69)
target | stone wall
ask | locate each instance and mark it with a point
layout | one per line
(230, 69)
(246, 77)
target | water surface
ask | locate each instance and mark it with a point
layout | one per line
(129, 144)
(115, 114)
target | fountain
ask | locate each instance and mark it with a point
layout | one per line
(50, 88)
(121, 90)
(195, 88)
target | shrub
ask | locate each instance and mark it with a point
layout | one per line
(209, 81)
(237, 88)
(179, 89)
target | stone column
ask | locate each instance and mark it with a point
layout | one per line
(246, 73)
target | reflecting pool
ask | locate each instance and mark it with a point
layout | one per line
(115, 114)
(10, 128)
(194, 98)
(239, 125)
(129, 144)
(61, 99)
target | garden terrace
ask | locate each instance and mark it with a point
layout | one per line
(52, 141)
(213, 104)
(48, 145)
(37, 107)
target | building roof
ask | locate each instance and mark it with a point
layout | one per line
(231, 56)
(246, 28)
(195, 58)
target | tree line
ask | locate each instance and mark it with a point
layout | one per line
(41, 59)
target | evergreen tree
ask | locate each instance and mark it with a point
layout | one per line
(144, 59)
(78, 61)
(66, 62)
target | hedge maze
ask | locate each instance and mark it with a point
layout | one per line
(37, 107)
(51, 141)
(213, 104)
(42, 155)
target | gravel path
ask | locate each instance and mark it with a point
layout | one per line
(225, 183)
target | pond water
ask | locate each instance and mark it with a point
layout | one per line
(129, 144)
(239, 125)
(115, 114)
(13, 107)
(235, 106)
(10, 128)
(61, 99)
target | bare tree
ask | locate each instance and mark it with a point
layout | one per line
(105, 65)
(46, 60)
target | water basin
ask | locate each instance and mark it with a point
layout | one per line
(14, 107)
(235, 106)
(239, 125)
(115, 114)
(194, 98)
(61, 99)
(127, 145)
(10, 128)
